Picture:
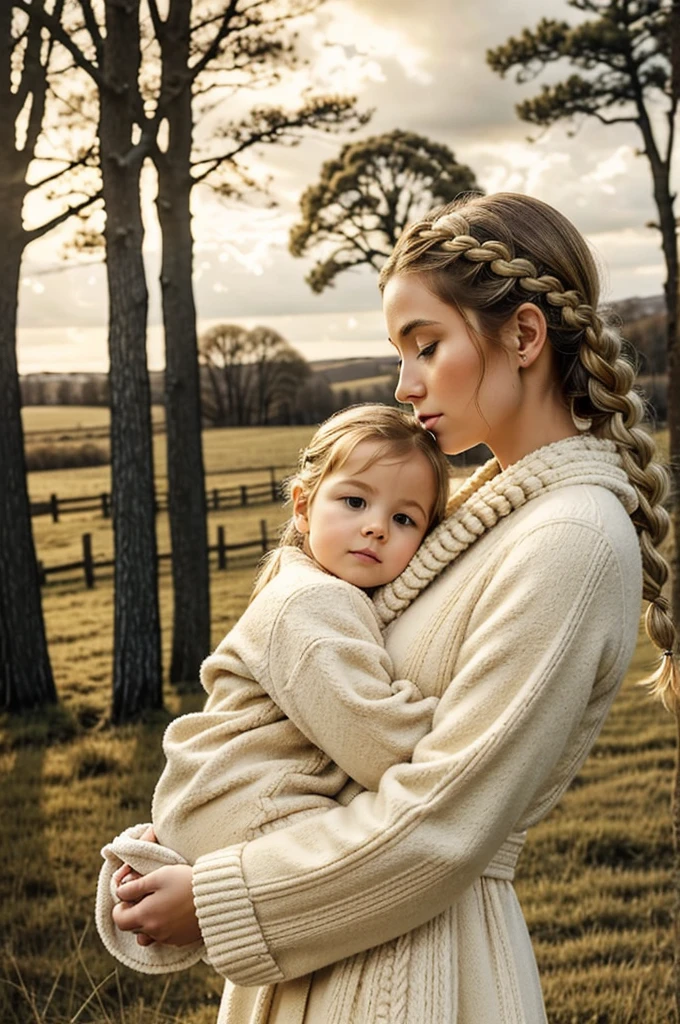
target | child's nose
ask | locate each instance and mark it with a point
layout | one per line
(375, 529)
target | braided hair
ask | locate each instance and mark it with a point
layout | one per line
(490, 254)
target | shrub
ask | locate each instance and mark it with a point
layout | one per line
(67, 456)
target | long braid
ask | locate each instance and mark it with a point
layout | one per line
(610, 392)
(597, 382)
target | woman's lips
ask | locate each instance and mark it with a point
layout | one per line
(369, 557)
(430, 422)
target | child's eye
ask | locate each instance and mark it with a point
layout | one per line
(428, 351)
(403, 519)
(354, 501)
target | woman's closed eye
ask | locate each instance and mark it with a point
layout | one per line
(429, 350)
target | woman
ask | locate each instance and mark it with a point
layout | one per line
(519, 612)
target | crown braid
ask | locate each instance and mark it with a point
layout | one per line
(596, 380)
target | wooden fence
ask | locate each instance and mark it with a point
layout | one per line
(89, 567)
(217, 498)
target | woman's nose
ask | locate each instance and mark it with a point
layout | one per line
(409, 387)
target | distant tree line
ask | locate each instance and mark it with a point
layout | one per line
(238, 389)
(254, 377)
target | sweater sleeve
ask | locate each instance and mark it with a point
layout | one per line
(329, 672)
(550, 635)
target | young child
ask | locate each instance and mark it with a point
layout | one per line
(302, 709)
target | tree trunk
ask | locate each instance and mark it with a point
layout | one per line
(186, 478)
(25, 673)
(137, 679)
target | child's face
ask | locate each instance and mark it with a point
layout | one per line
(366, 522)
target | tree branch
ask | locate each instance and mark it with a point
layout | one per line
(93, 28)
(30, 236)
(156, 20)
(214, 47)
(64, 170)
(60, 35)
(608, 120)
(35, 121)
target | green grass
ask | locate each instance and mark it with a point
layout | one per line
(593, 879)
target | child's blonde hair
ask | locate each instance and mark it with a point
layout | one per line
(396, 434)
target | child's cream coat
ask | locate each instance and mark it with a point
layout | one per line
(301, 699)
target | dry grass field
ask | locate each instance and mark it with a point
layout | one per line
(594, 878)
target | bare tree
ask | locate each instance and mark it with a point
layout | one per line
(278, 370)
(25, 63)
(253, 376)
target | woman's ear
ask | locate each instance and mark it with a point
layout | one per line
(300, 513)
(530, 332)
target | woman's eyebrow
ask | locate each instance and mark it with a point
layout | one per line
(412, 325)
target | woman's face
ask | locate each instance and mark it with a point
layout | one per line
(441, 369)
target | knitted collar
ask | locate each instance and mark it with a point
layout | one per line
(491, 494)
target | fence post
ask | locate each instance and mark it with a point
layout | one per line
(106, 508)
(263, 535)
(244, 495)
(54, 507)
(221, 549)
(42, 578)
(216, 499)
(88, 564)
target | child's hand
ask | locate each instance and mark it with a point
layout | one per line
(125, 872)
(160, 906)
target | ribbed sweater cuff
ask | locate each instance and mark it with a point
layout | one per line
(234, 941)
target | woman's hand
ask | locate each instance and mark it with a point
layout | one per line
(160, 906)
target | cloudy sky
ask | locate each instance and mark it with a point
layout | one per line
(422, 67)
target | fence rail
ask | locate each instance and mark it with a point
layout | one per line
(217, 498)
(89, 567)
(95, 432)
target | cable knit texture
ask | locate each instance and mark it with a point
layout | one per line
(490, 494)
(520, 614)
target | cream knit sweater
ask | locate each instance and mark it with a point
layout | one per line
(301, 699)
(520, 614)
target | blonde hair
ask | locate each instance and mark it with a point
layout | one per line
(490, 254)
(396, 433)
